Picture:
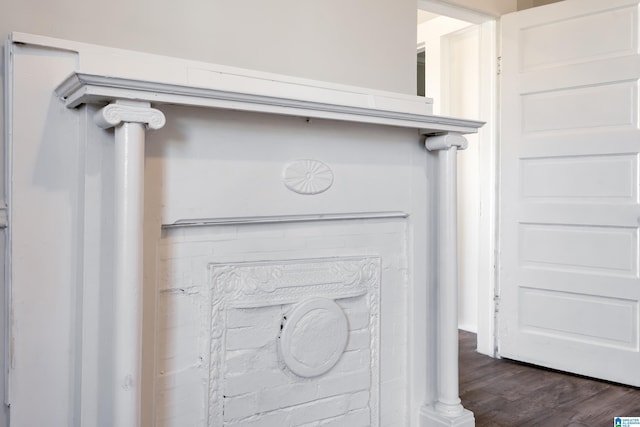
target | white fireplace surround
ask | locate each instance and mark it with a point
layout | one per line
(224, 152)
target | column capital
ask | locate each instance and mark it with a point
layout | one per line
(124, 112)
(446, 141)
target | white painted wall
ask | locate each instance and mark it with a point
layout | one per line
(452, 80)
(317, 40)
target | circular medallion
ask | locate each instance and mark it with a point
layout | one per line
(313, 337)
(307, 176)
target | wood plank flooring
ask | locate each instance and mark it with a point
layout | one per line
(504, 393)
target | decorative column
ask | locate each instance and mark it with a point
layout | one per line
(447, 410)
(130, 120)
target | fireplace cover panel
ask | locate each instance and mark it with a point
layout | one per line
(282, 338)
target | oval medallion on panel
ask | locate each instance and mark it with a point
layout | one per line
(307, 176)
(313, 337)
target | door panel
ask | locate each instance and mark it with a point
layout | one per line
(569, 274)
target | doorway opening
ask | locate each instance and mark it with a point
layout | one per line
(460, 75)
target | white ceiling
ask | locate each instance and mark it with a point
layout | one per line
(424, 16)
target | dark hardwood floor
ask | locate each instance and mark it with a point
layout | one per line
(503, 393)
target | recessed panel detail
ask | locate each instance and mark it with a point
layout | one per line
(605, 179)
(581, 108)
(588, 249)
(575, 40)
(596, 320)
(281, 324)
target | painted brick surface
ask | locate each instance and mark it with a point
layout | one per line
(255, 386)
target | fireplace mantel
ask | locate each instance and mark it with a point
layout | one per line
(115, 240)
(305, 101)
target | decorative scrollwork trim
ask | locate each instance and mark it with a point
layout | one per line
(446, 141)
(116, 113)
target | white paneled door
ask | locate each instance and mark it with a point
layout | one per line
(569, 281)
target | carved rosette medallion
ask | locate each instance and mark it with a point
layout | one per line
(307, 176)
(313, 337)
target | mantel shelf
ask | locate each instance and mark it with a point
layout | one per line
(82, 88)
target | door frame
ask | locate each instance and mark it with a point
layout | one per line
(488, 167)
